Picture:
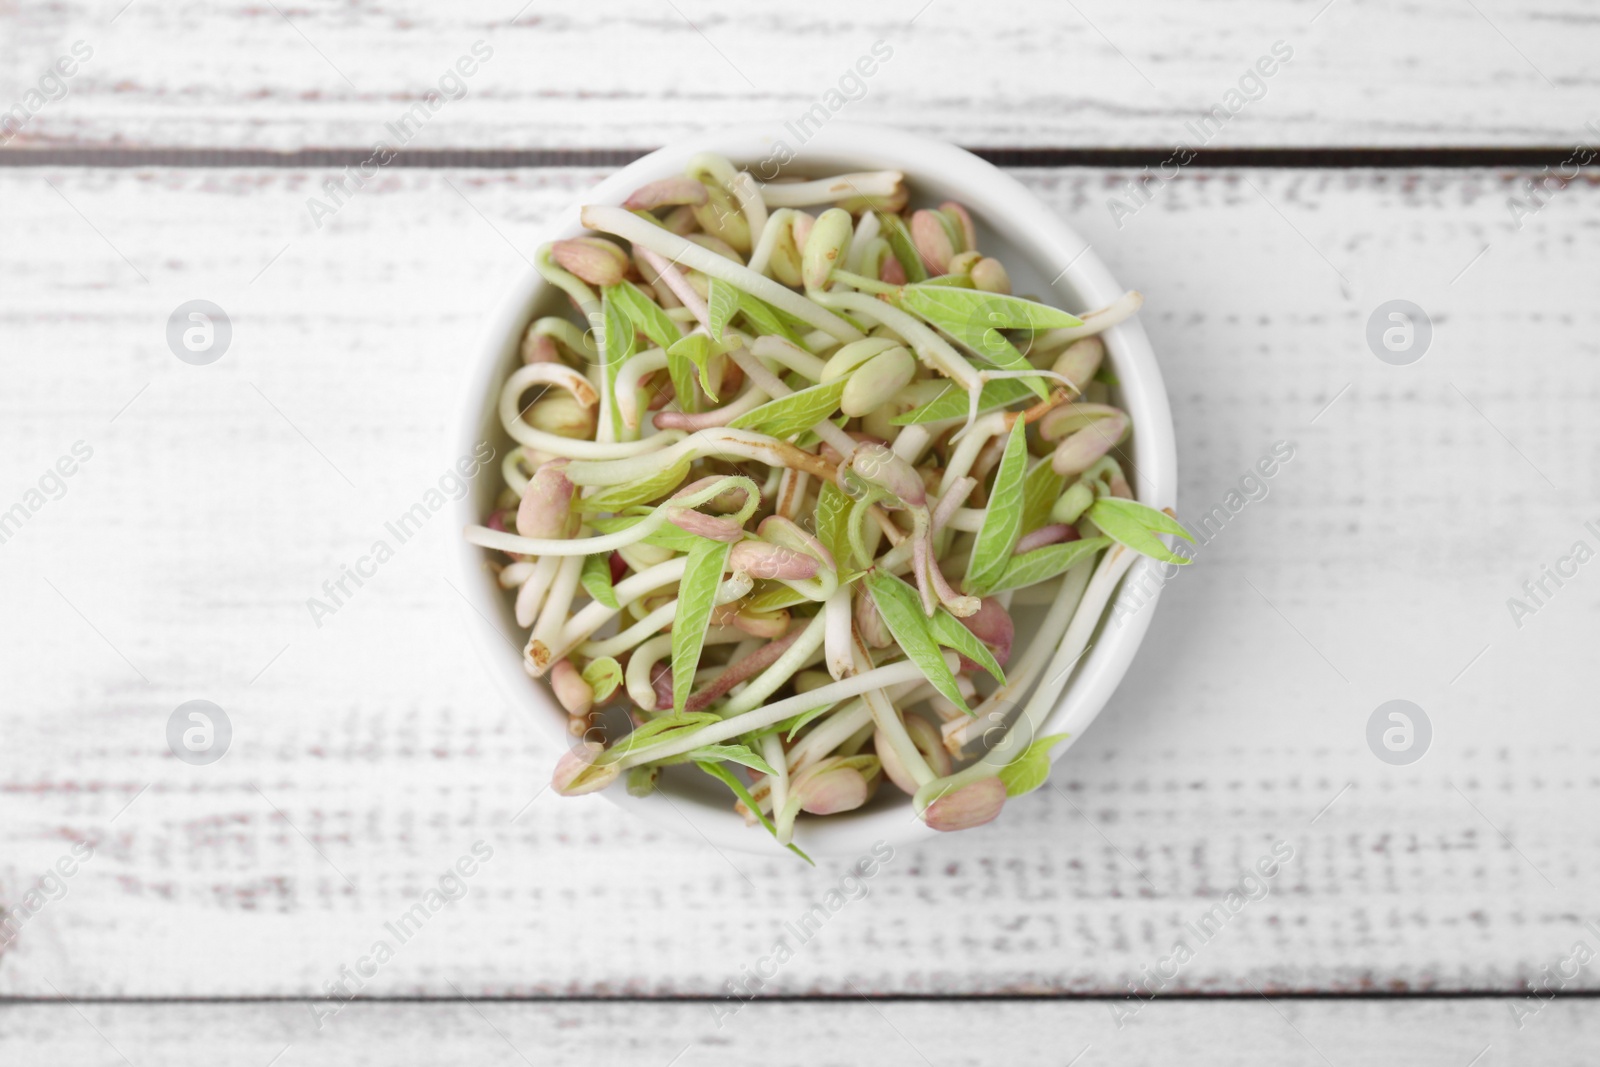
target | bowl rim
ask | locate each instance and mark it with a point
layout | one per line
(1000, 203)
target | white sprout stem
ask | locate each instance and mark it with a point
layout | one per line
(866, 230)
(1098, 321)
(552, 272)
(1025, 668)
(833, 731)
(1088, 601)
(533, 591)
(555, 444)
(837, 634)
(557, 603)
(768, 383)
(731, 589)
(558, 375)
(790, 355)
(761, 255)
(966, 453)
(932, 349)
(831, 190)
(791, 493)
(967, 520)
(772, 751)
(506, 541)
(679, 285)
(1113, 565)
(888, 719)
(627, 225)
(817, 341)
(837, 727)
(739, 183)
(564, 331)
(638, 678)
(821, 697)
(511, 471)
(721, 441)
(641, 668)
(595, 614)
(629, 375)
(514, 574)
(911, 442)
(768, 681)
(748, 190)
(633, 635)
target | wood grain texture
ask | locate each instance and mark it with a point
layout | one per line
(642, 72)
(1292, 1033)
(370, 754)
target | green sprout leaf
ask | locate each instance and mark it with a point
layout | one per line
(764, 318)
(620, 339)
(855, 530)
(681, 372)
(723, 301)
(993, 310)
(976, 318)
(665, 728)
(948, 631)
(729, 779)
(627, 495)
(772, 596)
(894, 231)
(1040, 490)
(694, 350)
(664, 536)
(1136, 525)
(596, 579)
(1002, 519)
(1030, 770)
(953, 402)
(901, 609)
(645, 313)
(800, 721)
(697, 594)
(603, 675)
(831, 517)
(789, 416)
(733, 753)
(1045, 563)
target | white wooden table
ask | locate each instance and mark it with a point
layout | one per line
(222, 903)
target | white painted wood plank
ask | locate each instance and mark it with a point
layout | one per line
(1306, 1032)
(371, 754)
(642, 72)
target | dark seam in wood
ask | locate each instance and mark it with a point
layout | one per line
(829, 998)
(506, 159)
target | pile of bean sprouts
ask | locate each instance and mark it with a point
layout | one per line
(779, 493)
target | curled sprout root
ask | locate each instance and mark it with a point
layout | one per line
(780, 482)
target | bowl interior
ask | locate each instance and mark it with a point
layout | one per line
(1044, 258)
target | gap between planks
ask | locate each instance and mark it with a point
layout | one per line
(839, 998)
(506, 159)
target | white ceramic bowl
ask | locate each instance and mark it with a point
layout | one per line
(1042, 254)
